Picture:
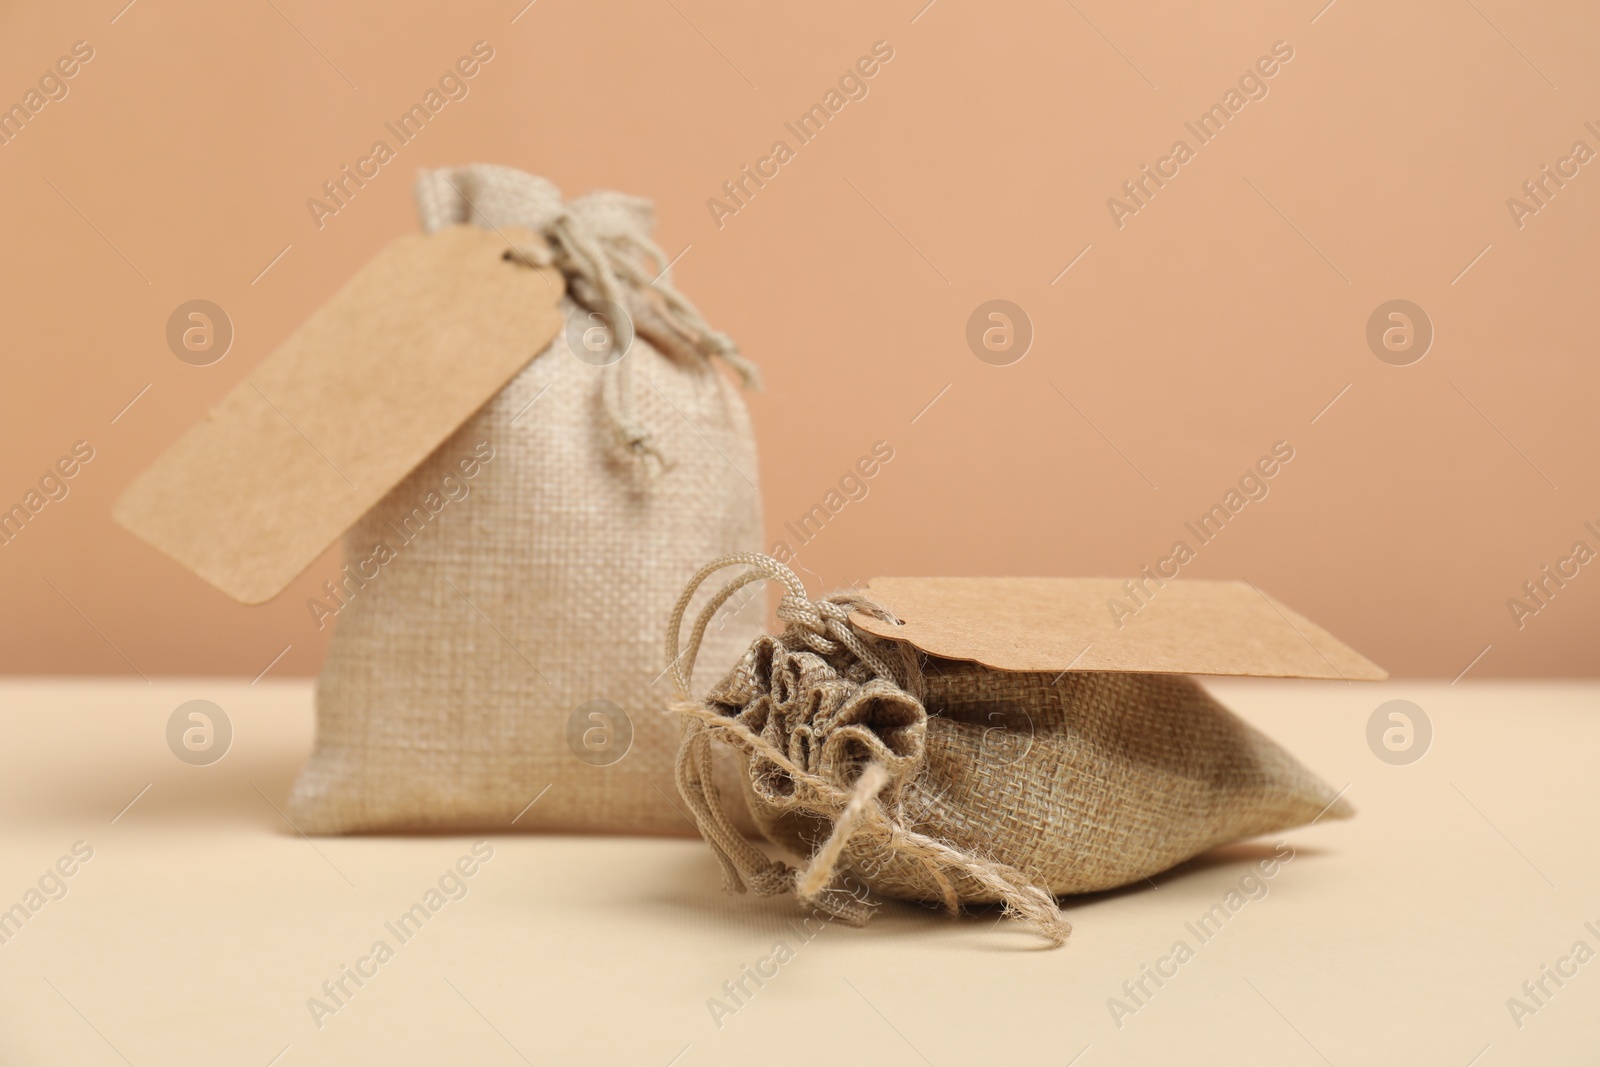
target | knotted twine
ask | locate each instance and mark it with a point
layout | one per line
(870, 808)
(601, 244)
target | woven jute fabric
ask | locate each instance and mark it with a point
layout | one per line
(518, 603)
(948, 782)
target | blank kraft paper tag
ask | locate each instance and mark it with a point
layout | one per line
(373, 382)
(1060, 624)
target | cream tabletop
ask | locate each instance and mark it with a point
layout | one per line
(169, 914)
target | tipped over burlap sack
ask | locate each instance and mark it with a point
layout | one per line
(952, 783)
(497, 642)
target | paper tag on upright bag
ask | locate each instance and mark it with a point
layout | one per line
(1095, 624)
(375, 380)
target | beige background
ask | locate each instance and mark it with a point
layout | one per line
(1223, 317)
(202, 925)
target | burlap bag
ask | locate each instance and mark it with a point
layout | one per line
(463, 679)
(948, 782)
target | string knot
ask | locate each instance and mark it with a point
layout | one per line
(835, 740)
(601, 243)
(798, 611)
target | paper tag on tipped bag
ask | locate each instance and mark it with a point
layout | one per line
(1089, 624)
(375, 380)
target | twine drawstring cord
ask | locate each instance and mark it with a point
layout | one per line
(601, 243)
(854, 808)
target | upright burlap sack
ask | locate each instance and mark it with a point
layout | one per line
(505, 648)
(949, 782)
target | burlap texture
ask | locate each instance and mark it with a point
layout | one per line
(455, 674)
(1082, 781)
(888, 771)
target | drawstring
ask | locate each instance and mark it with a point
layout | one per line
(601, 243)
(823, 627)
(579, 255)
(743, 865)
